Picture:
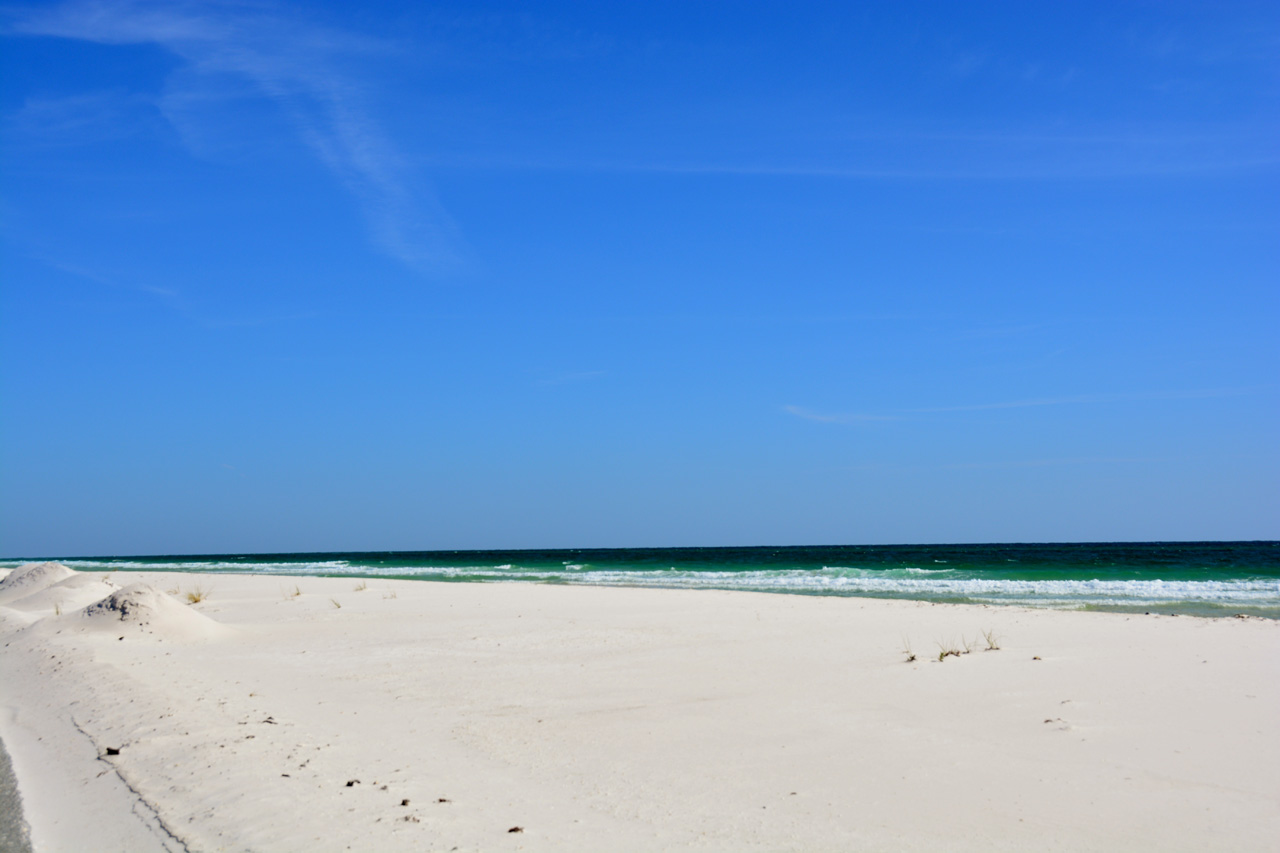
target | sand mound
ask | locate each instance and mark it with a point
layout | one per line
(142, 608)
(66, 596)
(30, 578)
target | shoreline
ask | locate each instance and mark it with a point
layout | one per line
(1171, 608)
(1215, 579)
(638, 719)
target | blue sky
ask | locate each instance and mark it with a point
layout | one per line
(318, 277)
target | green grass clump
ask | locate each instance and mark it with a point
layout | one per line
(948, 649)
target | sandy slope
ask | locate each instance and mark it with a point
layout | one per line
(421, 716)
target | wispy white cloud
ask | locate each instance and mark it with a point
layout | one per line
(1079, 399)
(169, 296)
(568, 378)
(302, 67)
(829, 418)
(989, 332)
(75, 119)
(1046, 463)
(968, 63)
(986, 167)
(867, 148)
(166, 293)
(1017, 463)
(1045, 168)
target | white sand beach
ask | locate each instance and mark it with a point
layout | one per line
(286, 714)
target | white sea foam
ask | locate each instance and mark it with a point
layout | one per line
(904, 583)
(941, 583)
(973, 589)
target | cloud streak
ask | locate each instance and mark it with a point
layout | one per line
(1075, 400)
(1080, 399)
(571, 378)
(299, 66)
(865, 148)
(826, 418)
(1039, 171)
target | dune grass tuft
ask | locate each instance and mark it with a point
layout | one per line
(337, 605)
(197, 595)
(906, 650)
(993, 642)
(948, 649)
(362, 586)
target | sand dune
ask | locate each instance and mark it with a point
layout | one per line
(141, 608)
(288, 714)
(32, 578)
(73, 593)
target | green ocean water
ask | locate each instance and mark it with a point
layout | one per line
(1196, 578)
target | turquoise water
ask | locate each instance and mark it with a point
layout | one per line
(1199, 578)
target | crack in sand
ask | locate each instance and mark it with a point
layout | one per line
(148, 814)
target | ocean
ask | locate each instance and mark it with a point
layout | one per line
(1192, 578)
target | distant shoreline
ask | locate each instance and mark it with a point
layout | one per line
(206, 555)
(1214, 579)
